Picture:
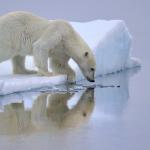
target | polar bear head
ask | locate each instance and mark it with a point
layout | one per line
(81, 53)
(77, 49)
(87, 65)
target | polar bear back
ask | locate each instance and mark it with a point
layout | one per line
(18, 31)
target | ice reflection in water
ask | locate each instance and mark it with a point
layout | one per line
(48, 112)
(65, 120)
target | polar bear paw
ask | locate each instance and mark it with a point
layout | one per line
(24, 71)
(71, 78)
(43, 73)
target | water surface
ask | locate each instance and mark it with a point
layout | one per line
(82, 116)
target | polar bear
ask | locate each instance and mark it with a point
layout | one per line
(49, 111)
(52, 109)
(23, 33)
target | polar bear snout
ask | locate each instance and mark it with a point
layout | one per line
(90, 75)
(90, 79)
(88, 71)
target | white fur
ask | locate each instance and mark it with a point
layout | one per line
(22, 34)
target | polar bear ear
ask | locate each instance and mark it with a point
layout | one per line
(86, 54)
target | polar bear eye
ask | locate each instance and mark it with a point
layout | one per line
(92, 69)
(86, 54)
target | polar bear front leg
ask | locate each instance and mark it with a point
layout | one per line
(61, 67)
(18, 63)
(41, 61)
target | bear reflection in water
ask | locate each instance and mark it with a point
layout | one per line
(48, 112)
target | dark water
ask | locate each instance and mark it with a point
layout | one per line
(83, 116)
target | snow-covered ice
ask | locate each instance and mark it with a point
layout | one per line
(110, 42)
(11, 84)
(108, 97)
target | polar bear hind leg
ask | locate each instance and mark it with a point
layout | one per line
(18, 63)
